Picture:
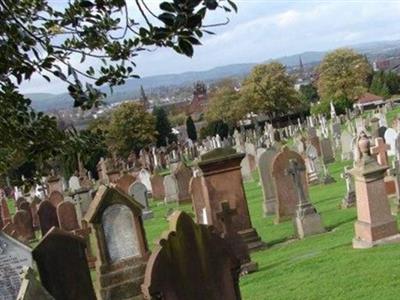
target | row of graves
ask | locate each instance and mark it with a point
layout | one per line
(97, 228)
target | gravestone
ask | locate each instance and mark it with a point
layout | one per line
(222, 181)
(307, 221)
(74, 183)
(157, 186)
(122, 249)
(61, 261)
(246, 168)
(268, 188)
(375, 225)
(286, 191)
(349, 199)
(56, 198)
(47, 216)
(199, 205)
(171, 189)
(144, 177)
(390, 139)
(183, 174)
(380, 150)
(327, 151)
(31, 288)
(67, 218)
(34, 208)
(312, 164)
(346, 142)
(14, 256)
(125, 181)
(55, 183)
(23, 226)
(191, 262)
(139, 192)
(5, 212)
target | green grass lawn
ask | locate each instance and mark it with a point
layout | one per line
(319, 267)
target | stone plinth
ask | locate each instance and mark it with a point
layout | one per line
(375, 224)
(222, 181)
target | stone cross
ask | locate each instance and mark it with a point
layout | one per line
(380, 149)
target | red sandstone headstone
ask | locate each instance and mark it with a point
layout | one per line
(380, 149)
(375, 224)
(47, 216)
(56, 198)
(67, 218)
(125, 181)
(23, 225)
(157, 185)
(286, 192)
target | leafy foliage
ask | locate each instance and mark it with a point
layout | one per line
(131, 128)
(163, 128)
(214, 128)
(324, 106)
(269, 89)
(309, 93)
(385, 84)
(343, 73)
(191, 129)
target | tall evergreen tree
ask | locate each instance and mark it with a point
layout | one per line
(191, 129)
(163, 127)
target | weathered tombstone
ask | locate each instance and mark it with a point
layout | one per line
(217, 166)
(34, 208)
(286, 191)
(191, 262)
(31, 288)
(312, 164)
(139, 192)
(171, 189)
(307, 221)
(14, 256)
(326, 150)
(316, 143)
(375, 225)
(390, 139)
(74, 183)
(5, 212)
(56, 198)
(62, 265)
(183, 174)
(346, 142)
(144, 177)
(23, 225)
(122, 249)
(199, 205)
(246, 168)
(125, 181)
(268, 188)
(67, 218)
(47, 216)
(157, 186)
(54, 183)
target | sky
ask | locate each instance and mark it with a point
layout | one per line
(264, 29)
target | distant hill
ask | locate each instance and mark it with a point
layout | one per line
(130, 90)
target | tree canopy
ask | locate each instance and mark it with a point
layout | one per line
(191, 129)
(343, 74)
(163, 128)
(269, 89)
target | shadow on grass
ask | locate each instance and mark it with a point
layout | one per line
(280, 241)
(336, 225)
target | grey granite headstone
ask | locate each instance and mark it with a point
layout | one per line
(139, 192)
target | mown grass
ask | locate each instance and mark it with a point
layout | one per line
(324, 266)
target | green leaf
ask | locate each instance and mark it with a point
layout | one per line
(186, 47)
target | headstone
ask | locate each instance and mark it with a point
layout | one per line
(47, 216)
(31, 288)
(157, 186)
(286, 191)
(199, 205)
(144, 177)
(67, 217)
(74, 183)
(171, 189)
(125, 181)
(199, 260)
(313, 165)
(375, 225)
(267, 185)
(23, 225)
(61, 261)
(14, 256)
(346, 142)
(390, 139)
(5, 212)
(218, 166)
(307, 221)
(121, 243)
(56, 198)
(349, 199)
(183, 174)
(327, 151)
(246, 168)
(139, 192)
